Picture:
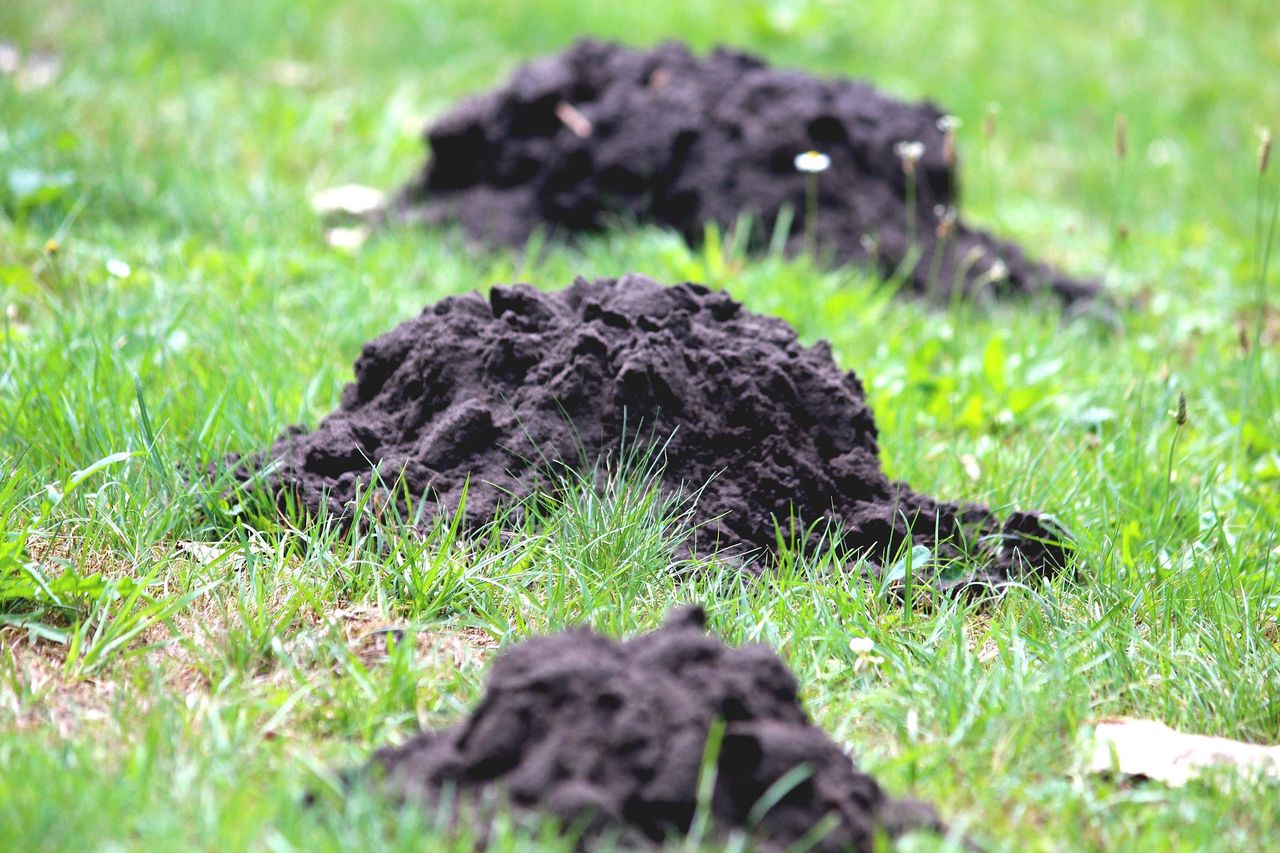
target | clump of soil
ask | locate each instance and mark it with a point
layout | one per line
(600, 133)
(488, 395)
(611, 736)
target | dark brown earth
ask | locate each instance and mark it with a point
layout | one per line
(610, 736)
(602, 134)
(511, 392)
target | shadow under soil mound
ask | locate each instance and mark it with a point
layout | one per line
(602, 133)
(494, 396)
(611, 736)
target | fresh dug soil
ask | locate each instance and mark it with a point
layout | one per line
(499, 396)
(610, 737)
(601, 133)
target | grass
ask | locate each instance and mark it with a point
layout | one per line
(171, 676)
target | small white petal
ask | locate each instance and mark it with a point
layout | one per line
(349, 199)
(909, 152)
(862, 645)
(347, 239)
(812, 162)
(10, 58)
(118, 268)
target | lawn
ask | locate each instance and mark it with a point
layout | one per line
(185, 672)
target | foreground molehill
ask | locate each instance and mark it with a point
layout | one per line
(499, 396)
(612, 736)
(601, 134)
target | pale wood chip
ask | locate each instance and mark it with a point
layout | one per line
(578, 124)
(1149, 748)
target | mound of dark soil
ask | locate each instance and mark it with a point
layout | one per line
(611, 736)
(576, 141)
(490, 394)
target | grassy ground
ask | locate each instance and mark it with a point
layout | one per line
(181, 680)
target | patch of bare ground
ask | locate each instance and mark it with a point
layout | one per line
(979, 639)
(1271, 631)
(182, 655)
(371, 638)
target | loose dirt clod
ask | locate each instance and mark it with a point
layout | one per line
(600, 133)
(494, 395)
(612, 736)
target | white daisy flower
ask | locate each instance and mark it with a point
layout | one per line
(909, 152)
(812, 162)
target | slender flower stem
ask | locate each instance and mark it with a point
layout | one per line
(911, 210)
(811, 214)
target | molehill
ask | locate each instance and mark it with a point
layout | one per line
(611, 736)
(500, 396)
(601, 134)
